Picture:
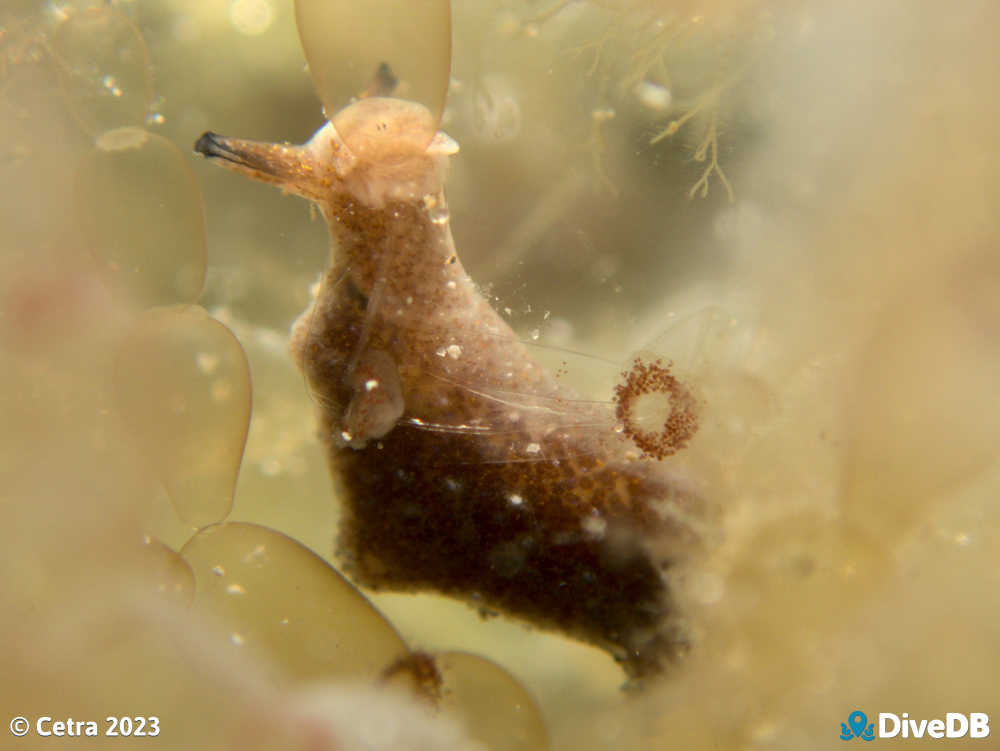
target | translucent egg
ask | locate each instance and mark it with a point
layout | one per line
(283, 603)
(105, 69)
(349, 44)
(182, 386)
(491, 704)
(140, 207)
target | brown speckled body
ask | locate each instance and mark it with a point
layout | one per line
(465, 467)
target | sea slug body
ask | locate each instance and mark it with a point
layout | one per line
(463, 466)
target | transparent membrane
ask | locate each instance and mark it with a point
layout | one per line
(703, 355)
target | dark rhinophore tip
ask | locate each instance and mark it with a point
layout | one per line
(251, 158)
(210, 145)
(213, 146)
(385, 80)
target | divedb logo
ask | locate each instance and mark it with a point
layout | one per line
(954, 725)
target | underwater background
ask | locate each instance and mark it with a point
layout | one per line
(794, 201)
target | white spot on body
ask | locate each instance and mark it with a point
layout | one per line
(594, 526)
(377, 402)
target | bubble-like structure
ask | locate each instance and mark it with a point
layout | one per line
(349, 43)
(140, 207)
(103, 61)
(182, 386)
(492, 705)
(284, 605)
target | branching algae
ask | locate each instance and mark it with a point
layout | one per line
(464, 466)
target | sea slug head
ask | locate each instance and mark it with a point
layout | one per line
(377, 151)
(384, 150)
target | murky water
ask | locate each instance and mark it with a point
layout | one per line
(836, 319)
